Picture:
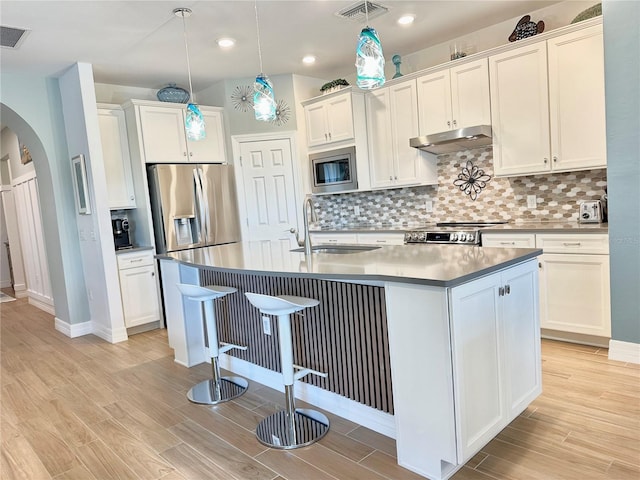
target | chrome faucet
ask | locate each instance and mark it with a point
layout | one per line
(307, 207)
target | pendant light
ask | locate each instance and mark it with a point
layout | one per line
(264, 102)
(194, 121)
(369, 57)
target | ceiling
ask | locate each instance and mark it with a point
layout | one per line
(141, 43)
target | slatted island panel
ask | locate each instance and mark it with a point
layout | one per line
(349, 343)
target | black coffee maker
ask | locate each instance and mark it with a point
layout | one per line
(120, 228)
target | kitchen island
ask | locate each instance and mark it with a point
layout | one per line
(437, 346)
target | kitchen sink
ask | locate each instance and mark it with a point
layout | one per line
(337, 249)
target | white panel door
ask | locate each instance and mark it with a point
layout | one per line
(32, 241)
(267, 178)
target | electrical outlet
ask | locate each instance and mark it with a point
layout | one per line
(531, 201)
(266, 325)
(428, 206)
(356, 210)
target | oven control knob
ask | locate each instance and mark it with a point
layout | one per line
(464, 237)
(454, 237)
(422, 237)
(414, 237)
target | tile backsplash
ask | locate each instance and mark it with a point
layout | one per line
(557, 196)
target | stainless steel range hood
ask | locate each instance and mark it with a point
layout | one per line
(454, 140)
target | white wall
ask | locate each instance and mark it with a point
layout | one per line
(94, 231)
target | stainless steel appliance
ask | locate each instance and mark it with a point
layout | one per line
(334, 171)
(193, 205)
(590, 211)
(454, 140)
(454, 233)
(120, 227)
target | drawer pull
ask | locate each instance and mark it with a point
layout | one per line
(571, 244)
(381, 241)
(507, 243)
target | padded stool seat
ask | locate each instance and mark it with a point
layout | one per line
(217, 389)
(292, 427)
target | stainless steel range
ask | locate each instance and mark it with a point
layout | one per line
(455, 233)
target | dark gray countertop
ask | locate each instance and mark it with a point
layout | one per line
(436, 265)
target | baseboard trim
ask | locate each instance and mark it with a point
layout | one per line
(73, 330)
(381, 422)
(5, 283)
(42, 305)
(110, 335)
(624, 351)
(20, 290)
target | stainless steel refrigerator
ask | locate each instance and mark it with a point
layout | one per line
(193, 205)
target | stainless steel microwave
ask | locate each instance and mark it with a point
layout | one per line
(334, 171)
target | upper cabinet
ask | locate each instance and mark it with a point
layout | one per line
(454, 98)
(163, 137)
(392, 119)
(547, 105)
(115, 153)
(330, 120)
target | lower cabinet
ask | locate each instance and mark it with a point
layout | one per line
(350, 238)
(574, 280)
(138, 288)
(496, 353)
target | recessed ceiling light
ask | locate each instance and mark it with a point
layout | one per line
(406, 19)
(309, 59)
(226, 42)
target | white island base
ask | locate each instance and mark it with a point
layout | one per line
(465, 356)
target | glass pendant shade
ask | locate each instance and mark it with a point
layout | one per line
(264, 103)
(369, 60)
(194, 123)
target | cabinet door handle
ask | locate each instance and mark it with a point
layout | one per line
(507, 289)
(153, 274)
(184, 154)
(391, 177)
(455, 123)
(326, 137)
(539, 264)
(395, 178)
(555, 159)
(546, 160)
(329, 135)
(448, 123)
(132, 198)
(191, 154)
(501, 291)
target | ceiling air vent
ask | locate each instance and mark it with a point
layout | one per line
(357, 12)
(11, 37)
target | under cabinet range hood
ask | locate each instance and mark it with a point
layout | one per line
(454, 140)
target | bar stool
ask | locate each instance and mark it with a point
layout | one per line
(292, 427)
(217, 389)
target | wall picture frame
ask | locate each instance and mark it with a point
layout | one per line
(80, 185)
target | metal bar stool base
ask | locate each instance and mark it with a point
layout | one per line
(208, 393)
(309, 426)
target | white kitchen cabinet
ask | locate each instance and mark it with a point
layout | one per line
(392, 118)
(454, 98)
(115, 154)
(496, 353)
(506, 240)
(163, 137)
(381, 238)
(334, 238)
(329, 120)
(574, 283)
(138, 288)
(547, 109)
(577, 100)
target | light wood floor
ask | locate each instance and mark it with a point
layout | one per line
(85, 409)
